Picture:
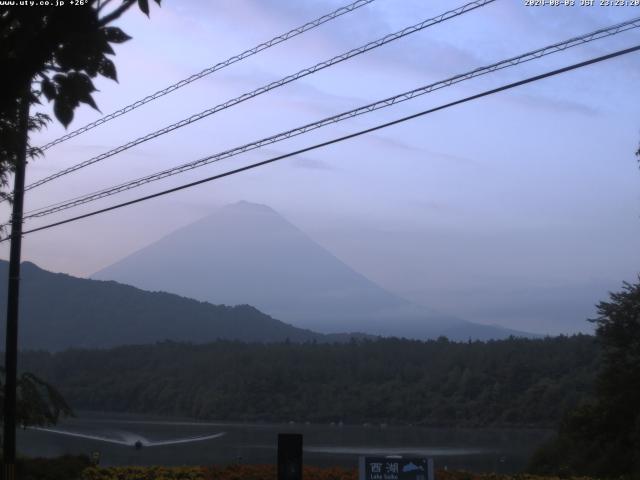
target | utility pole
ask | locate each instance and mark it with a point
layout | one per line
(13, 297)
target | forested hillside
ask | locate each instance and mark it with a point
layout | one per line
(507, 382)
(59, 311)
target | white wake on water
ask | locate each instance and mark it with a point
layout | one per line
(130, 439)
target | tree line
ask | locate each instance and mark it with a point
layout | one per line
(508, 382)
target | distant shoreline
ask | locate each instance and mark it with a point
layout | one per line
(151, 418)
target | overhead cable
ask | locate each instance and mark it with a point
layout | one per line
(387, 102)
(266, 88)
(208, 71)
(337, 140)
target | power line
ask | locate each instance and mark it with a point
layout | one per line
(339, 139)
(283, 81)
(207, 71)
(541, 52)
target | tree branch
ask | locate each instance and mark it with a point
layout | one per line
(103, 4)
(126, 5)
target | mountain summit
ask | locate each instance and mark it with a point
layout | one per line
(247, 253)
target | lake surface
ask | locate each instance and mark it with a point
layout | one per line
(482, 450)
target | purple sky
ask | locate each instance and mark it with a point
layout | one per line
(519, 209)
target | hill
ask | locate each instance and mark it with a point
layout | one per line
(58, 311)
(248, 253)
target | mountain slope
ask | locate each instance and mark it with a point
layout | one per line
(58, 311)
(248, 253)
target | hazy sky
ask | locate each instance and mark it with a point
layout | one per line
(520, 209)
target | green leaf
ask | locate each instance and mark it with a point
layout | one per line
(144, 6)
(63, 111)
(92, 64)
(88, 99)
(38, 121)
(48, 89)
(85, 97)
(33, 98)
(115, 35)
(73, 53)
(78, 88)
(106, 48)
(107, 69)
(80, 82)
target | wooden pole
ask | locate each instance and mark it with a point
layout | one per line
(13, 298)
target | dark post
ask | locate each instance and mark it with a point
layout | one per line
(11, 348)
(289, 456)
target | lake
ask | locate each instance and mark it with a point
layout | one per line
(482, 450)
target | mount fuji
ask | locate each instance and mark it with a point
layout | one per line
(247, 253)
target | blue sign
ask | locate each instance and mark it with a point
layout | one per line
(395, 468)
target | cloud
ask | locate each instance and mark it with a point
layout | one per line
(382, 141)
(312, 164)
(556, 105)
(300, 95)
(435, 206)
(433, 57)
(304, 162)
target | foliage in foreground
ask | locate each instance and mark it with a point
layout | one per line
(37, 402)
(67, 467)
(144, 473)
(603, 438)
(52, 53)
(268, 472)
(231, 472)
(453, 475)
